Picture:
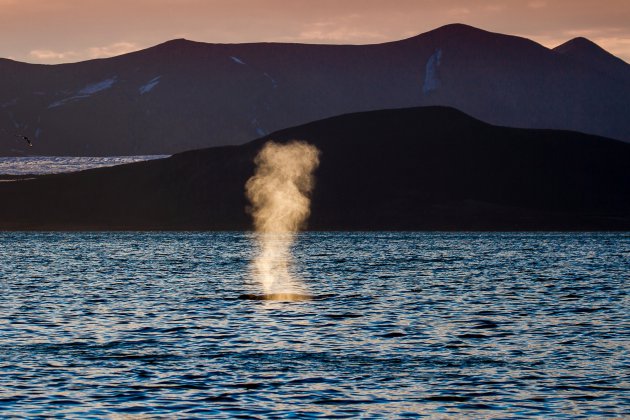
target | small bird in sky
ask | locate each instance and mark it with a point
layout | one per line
(22, 136)
(26, 138)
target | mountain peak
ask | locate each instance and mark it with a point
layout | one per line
(465, 38)
(458, 27)
(589, 53)
(174, 46)
(178, 42)
(580, 44)
(456, 30)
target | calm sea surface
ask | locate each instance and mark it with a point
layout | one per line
(478, 325)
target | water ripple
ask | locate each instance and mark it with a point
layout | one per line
(402, 324)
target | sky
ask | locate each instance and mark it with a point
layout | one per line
(56, 31)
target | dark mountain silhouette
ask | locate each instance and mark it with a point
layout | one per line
(417, 168)
(595, 57)
(184, 95)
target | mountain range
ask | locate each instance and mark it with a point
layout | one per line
(184, 95)
(423, 168)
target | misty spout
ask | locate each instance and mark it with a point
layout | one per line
(279, 193)
(280, 189)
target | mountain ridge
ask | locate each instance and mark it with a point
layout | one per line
(593, 55)
(425, 168)
(182, 94)
(448, 29)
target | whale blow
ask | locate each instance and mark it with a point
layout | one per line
(279, 193)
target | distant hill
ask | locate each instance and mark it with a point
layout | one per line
(184, 95)
(419, 168)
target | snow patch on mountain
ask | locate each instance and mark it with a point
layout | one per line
(86, 92)
(149, 85)
(431, 74)
(12, 102)
(67, 100)
(274, 84)
(260, 131)
(13, 120)
(97, 87)
(237, 60)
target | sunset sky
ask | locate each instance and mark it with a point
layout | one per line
(54, 31)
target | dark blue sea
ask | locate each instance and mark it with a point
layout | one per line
(445, 325)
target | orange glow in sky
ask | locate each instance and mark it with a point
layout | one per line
(55, 31)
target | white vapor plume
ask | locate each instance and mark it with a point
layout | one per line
(279, 193)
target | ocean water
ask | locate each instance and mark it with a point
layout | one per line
(41, 165)
(462, 325)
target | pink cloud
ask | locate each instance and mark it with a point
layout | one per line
(111, 50)
(52, 56)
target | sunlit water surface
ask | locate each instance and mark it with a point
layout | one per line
(449, 325)
(41, 165)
